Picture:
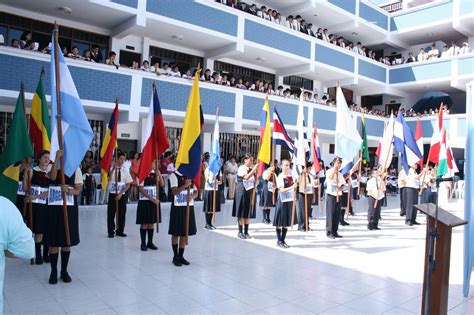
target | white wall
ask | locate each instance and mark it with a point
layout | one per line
(133, 129)
(119, 44)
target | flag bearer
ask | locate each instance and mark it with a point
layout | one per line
(242, 207)
(179, 185)
(375, 192)
(411, 195)
(209, 197)
(124, 180)
(55, 235)
(335, 182)
(302, 219)
(147, 211)
(401, 188)
(286, 189)
(268, 189)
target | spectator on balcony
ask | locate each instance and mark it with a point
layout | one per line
(422, 55)
(247, 84)
(319, 33)
(74, 53)
(465, 49)
(310, 30)
(287, 93)
(175, 72)
(188, 75)
(26, 41)
(410, 58)
(445, 52)
(15, 43)
(350, 46)
(206, 77)
(215, 78)
(166, 70)
(232, 82)
(340, 42)
(386, 60)
(263, 13)
(279, 91)
(252, 9)
(297, 23)
(289, 22)
(256, 86)
(224, 80)
(96, 55)
(240, 85)
(155, 67)
(333, 39)
(453, 50)
(64, 50)
(325, 36)
(233, 4)
(303, 27)
(433, 53)
(135, 65)
(87, 55)
(111, 60)
(364, 51)
(358, 49)
(243, 6)
(145, 66)
(278, 19)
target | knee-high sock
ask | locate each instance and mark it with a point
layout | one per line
(283, 234)
(246, 228)
(45, 250)
(64, 261)
(278, 232)
(150, 236)
(53, 260)
(175, 249)
(181, 252)
(38, 250)
(143, 236)
(240, 228)
(209, 218)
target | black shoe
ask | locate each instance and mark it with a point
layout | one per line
(143, 248)
(370, 228)
(344, 223)
(280, 244)
(285, 245)
(65, 277)
(184, 261)
(53, 278)
(122, 234)
(377, 228)
(32, 261)
(415, 223)
(39, 260)
(151, 246)
(176, 261)
(337, 235)
(269, 221)
(409, 223)
(329, 235)
(247, 236)
(402, 214)
(311, 217)
(264, 221)
(213, 227)
(208, 227)
(241, 235)
(111, 235)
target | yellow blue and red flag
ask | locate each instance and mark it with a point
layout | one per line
(108, 146)
(264, 154)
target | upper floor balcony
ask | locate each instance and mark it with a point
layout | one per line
(98, 85)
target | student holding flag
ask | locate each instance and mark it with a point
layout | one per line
(242, 207)
(268, 191)
(186, 179)
(213, 179)
(375, 191)
(305, 189)
(286, 188)
(335, 182)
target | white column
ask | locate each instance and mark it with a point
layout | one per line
(239, 108)
(206, 145)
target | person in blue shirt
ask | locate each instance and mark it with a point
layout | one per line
(16, 240)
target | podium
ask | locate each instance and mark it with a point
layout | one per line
(439, 285)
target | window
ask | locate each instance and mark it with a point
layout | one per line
(184, 61)
(127, 58)
(13, 26)
(243, 73)
(297, 82)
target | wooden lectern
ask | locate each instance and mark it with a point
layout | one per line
(439, 285)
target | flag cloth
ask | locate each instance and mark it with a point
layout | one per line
(446, 163)
(315, 150)
(17, 148)
(302, 149)
(386, 145)
(419, 140)
(364, 147)
(347, 139)
(77, 134)
(265, 152)
(154, 141)
(108, 146)
(469, 193)
(40, 126)
(188, 161)
(405, 143)
(215, 162)
(435, 147)
(280, 135)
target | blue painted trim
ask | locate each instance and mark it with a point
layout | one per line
(334, 58)
(374, 16)
(372, 71)
(348, 5)
(423, 16)
(420, 72)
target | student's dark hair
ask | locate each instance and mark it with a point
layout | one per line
(94, 46)
(246, 156)
(112, 53)
(120, 154)
(25, 33)
(75, 47)
(14, 40)
(43, 152)
(290, 16)
(298, 17)
(146, 61)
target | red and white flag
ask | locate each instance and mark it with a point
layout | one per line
(436, 139)
(154, 140)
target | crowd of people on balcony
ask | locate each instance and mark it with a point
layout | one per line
(297, 23)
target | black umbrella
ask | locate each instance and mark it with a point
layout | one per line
(432, 100)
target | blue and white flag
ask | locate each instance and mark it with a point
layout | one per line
(302, 149)
(405, 143)
(76, 130)
(215, 162)
(348, 140)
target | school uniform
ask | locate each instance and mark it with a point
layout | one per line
(177, 225)
(89, 187)
(266, 197)
(283, 208)
(123, 179)
(20, 197)
(241, 207)
(411, 196)
(55, 235)
(209, 198)
(333, 206)
(375, 195)
(316, 191)
(302, 218)
(401, 186)
(425, 190)
(147, 211)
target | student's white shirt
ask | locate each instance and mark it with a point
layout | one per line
(421, 57)
(340, 182)
(343, 45)
(411, 180)
(125, 176)
(185, 76)
(145, 69)
(296, 25)
(453, 51)
(325, 37)
(175, 74)
(433, 54)
(464, 50)
(445, 54)
(373, 189)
